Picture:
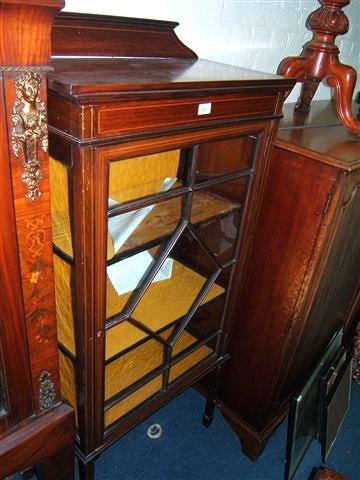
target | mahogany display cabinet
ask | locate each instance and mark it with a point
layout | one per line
(305, 263)
(157, 163)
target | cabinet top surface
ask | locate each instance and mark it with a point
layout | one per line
(94, 76)
(320, 135)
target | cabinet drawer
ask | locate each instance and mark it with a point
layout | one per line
(131, 116)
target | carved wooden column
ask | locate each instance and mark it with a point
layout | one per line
(28, 323)
(319, 60)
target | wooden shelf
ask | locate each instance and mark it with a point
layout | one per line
(160, 222)
(129, 371)
(163, 303)
(165, 216)
(131, 367)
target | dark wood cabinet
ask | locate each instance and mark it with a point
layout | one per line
(157, 160)
(302, 275)
(36, 428)
(323, 473)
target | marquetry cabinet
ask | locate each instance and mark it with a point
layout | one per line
(157, 161)
(303, 272)
(36, 428)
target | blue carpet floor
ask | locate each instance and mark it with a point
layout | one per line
(188, 451)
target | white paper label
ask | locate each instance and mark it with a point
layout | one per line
(204, 109)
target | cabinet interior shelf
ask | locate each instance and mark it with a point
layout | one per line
(138, 375)
(160, 223)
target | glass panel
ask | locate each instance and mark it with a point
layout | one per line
(225, 203)
(60, 212)
(164, 302)
(131, 367)
(140, 227)
(121, 337)
(144, 360)
(64, 304)
(207, 319)
(224, 157)
(125, 277)
(169, 300)
(183, 364)
(139, 177)
(132, 401)
(67, 381)
(169, 296)
(199, 338)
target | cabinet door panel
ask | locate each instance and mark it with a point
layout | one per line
(339, 281)
(295, 196)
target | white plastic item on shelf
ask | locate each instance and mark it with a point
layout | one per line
(126, 274)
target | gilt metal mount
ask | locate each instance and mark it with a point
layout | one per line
(47, 391)
(29, 120)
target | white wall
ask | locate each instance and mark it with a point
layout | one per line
(251, 33)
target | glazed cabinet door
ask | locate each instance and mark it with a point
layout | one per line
(173, 223)
(145, 242)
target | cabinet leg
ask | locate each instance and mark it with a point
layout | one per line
(58, 467)
(208, 416)
(252, 442)
(87, 470)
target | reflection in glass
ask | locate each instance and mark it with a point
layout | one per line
(224, 157)
(220, 231)
(207, 319)
(220, 235)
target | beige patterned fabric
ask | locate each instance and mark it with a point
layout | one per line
(356, 365)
